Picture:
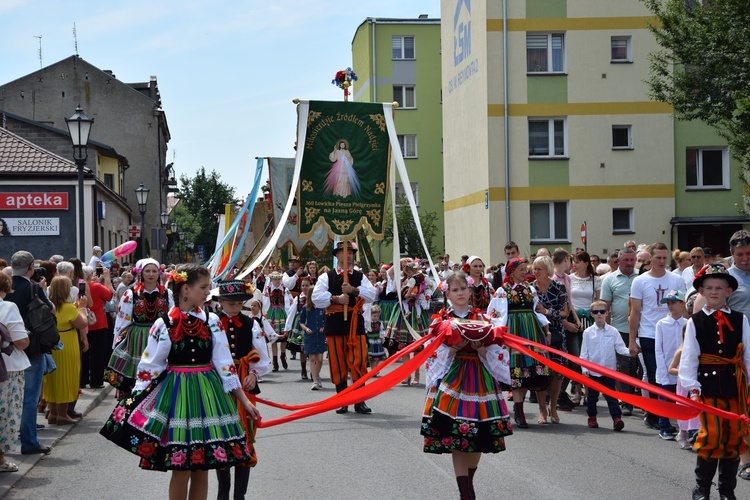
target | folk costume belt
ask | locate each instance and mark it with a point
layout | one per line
(189, 368)
(354, 311)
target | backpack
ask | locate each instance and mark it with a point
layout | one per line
(41, 325)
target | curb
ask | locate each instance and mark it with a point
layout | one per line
(49, 436)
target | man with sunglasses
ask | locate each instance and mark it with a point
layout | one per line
(698, 258)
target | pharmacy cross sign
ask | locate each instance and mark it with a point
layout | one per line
(134, 231)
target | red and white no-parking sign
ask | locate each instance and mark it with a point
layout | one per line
(583, 233)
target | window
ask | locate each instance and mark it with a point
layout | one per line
(404, 96)
(109, 181)
(547, 137)
(403, 47)
(707, 168)
(408, 145)
(401, 196)
(622, 221)
(621, 49)
(622, 137)
(549, 221)
(545, 53)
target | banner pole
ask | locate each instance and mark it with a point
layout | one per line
(346, 277)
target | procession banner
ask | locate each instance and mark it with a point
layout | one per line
(281, 173)
(30, 226)
(345, 165)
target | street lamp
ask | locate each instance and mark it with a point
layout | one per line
(79, 127)
(141, 196)
(173, 226)
(164, 223)
(182, 240)
(164, 219)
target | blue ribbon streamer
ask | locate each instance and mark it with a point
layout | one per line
(247, 207)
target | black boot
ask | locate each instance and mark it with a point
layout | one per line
(72, 413)
(728, 478)
(519, 416)
(275, 364)
(362, 408)
(472, 471)
(704, 473)
(241, 479)
(340, 387)
(463, 487)
(225, 483)
(283, 361)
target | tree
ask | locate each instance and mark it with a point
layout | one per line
(703, 70)
(202, 198)
(409, 241)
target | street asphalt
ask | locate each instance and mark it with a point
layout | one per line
(376, 456)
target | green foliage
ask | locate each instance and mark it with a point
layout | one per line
(202, 198)
(407, 230)
(703, 69)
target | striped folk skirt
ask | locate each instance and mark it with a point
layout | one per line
(525, 371)
(126, 355)
(276, 315)
(183, 421)
(466, 411)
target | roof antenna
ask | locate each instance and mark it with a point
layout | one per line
(40, 50)
(75, 39)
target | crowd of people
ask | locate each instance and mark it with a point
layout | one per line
(178, 355)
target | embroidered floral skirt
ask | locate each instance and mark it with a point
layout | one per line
(127, 354)
(182, 421)
(466, 411)
(11, 406)
(276, 315)
(375, 346)
(396, 333)
(525, 371)
(296, 337)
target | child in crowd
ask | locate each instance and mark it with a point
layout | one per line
(600, 344)
(668, 339)
(374, 341)
(712, 354)
(688, 428)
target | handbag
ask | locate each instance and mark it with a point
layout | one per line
(90, 317)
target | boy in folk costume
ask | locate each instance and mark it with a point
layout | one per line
(713, 369)
(347, 344)
(250, 355)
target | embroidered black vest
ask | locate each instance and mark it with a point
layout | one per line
(240, 339)
(335, 324)
(718, 381)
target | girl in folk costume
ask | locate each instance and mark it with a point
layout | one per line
(140, 306)
(250, 354)
(295, 333)
(416, 290)
(465, 412)
(182, 417)
(387, 300)
(276, 303)
(375, 350)
(513, 305)
(481, 290)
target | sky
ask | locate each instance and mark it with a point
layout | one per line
(227, 70)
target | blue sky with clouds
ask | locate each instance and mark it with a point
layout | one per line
(227, 70)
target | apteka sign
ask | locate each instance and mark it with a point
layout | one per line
(34, 201)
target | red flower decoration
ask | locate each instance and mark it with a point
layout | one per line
(146, 450)
(144, 375)
(237, 451)
(232, 370)
(197, 456)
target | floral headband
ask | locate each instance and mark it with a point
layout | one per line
(177, 277)
(444, 284)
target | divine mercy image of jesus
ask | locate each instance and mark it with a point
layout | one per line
(342, 179)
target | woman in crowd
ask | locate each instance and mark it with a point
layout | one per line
(465, 413)
(681, 260)
(553, 304)
(61, 386)
(138, 309)
(11, 389)
(184, 378)
(585, 287)
(296, 334)
(94, 361)
(514, 305)
(387, 300)
(276, 303)
(481, 289)
(311, 321)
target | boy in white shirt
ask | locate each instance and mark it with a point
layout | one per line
(668, 340)
(600, 344)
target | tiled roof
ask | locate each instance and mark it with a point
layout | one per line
(19, 156)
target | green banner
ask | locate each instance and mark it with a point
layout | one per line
(343, 181)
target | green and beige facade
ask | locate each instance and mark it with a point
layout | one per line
(547, 124)
(399, 60)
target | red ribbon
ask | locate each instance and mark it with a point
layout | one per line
(235, 320)
(722, 321)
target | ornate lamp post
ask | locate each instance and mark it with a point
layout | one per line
(182, 240)
(79, 126)
(141, 196)
(164, 217)
(173, 226)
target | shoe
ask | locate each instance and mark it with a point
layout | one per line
(744, 471)
(8, 466)
(699, 494)
(618, 424)
(342, 410)
(320, 384)
(293, 356)
(666, 436)
(564, 403)
(593, 424)
(627, 410)
(42, 449)
(532, 397)
(362, 408)
(98, 386)
(651, 424)
(283, 361)
(314, 386)
(519, 416)
(275, 364)
(691, 436)
(555, 419)
(673, 430)
(40, 426)
(75, 414)
(304, 376)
